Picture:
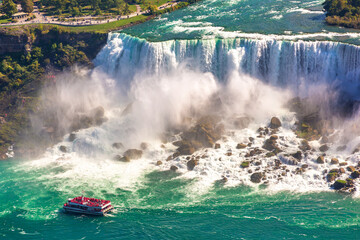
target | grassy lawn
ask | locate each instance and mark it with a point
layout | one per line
(3, 21)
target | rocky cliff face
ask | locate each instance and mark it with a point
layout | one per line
(13, 42)
(22, 39)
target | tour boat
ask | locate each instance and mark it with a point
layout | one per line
(90, 206)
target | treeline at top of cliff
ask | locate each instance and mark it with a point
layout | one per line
(343, 13)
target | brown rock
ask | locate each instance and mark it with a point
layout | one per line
(343, 164)
(158, 163)
(256, 177)
(320, 160)
(350, 169)
(186, 149)
(334, 161)
(305, 146)
(297, 155)
(275, 123)
(240, 146)
(274, 137)
(133, 154)
(174, 168)
(72, 137)
(217, 146)
(324, 148)
(63, 149)
(192, 163)
(229, 152)
(355, 174)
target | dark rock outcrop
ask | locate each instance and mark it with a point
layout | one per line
(256, 177)
(133, 154)
(320, 160)
(339, 184)
(275, 123)
(192, 163)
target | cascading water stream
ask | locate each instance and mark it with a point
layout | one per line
(279, 63)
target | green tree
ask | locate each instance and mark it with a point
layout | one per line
(27, 6)
(126, 10)
(119, 5)
(152, 9)
(9, 7)
(95, 4)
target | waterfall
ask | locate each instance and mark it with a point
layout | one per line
(279, 63)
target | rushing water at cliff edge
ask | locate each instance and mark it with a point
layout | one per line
(232, 59)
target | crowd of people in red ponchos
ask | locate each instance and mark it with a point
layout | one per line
(92, 202)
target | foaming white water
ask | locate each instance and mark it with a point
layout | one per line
(276, 62)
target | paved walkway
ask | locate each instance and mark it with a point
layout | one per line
(86, 20)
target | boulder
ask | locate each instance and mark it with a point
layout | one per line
(204, 133)
(304, 166)
(275, 123)
(118, 145)
(72, 137)
(274, 137)
(339, 184)
(334, 161)
(305, 146)
(324, 139)
(63, 149)
(355, 174)
(324, 148)
(217, 146)
(228, 153)
(240, 146)
(256, 177)
(331, 176)
(297, 155)
(133, 154)
(245, 164)
(343, 164)
(271, 145)
(341, 170)
(174, 168)
(158, 163)
(186, 148)
(320, 160)
(192, 163)
(350, 169)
